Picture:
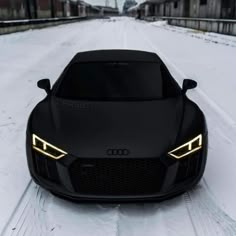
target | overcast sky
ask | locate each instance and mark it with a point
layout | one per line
(102, 2)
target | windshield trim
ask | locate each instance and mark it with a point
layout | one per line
(117, 100)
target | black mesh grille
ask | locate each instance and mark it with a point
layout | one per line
(118, 176)
(46, 167)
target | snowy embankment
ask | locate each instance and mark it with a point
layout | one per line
(209, 209)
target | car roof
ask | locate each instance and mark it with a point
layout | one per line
(116, 56)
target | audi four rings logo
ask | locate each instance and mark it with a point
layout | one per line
(118, 152)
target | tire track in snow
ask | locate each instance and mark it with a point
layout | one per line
(208, 217)
(190, 215)
(16, 208)
(198, 34)
(36, 222)
(29, 216)
(125, 37)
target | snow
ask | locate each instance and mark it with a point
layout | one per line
(160, 23)
(208, 209)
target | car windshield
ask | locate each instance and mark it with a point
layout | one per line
(112, 81)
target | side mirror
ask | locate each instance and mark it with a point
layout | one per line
(188, 84)
(45, 84)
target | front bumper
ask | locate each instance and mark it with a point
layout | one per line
(117, 179)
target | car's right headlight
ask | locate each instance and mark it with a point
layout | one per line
(46, 148)
(188, 148)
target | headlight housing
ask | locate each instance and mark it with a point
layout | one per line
(46, 148)
(188, 148)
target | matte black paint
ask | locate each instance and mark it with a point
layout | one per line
(118, 129)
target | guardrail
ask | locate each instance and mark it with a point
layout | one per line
(222, 26)
(199, 19)
(11, 26)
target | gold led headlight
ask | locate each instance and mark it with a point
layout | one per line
(187, 148)
(46, 148)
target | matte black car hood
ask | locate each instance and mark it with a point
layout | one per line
(90, 128)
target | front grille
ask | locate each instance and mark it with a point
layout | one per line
(117, 176)
(46, 167)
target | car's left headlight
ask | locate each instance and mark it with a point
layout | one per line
(187, 148)
(46, 148)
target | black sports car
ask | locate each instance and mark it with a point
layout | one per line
(116, 127)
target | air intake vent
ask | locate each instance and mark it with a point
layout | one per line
(46, 168)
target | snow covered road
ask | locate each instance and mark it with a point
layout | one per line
(209, 209)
